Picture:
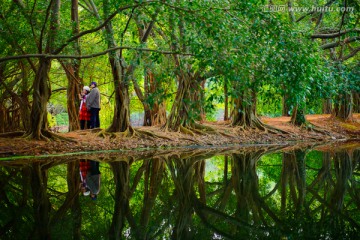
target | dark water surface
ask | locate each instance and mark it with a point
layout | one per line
(241, 193)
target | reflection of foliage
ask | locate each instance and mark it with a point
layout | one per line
(240, 195)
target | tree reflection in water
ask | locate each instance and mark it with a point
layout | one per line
(192, 194)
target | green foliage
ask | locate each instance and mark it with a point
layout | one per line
(232, 42)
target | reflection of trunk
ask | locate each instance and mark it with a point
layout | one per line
(324, 173)
(153, 176)
(200, 179)
(343, 108)
(121, 171)
(73, 181)
(249, 204)
(245, 182)
(301, 178)
(343, 172)
(183, 177)
(293, 174)
(41, 203)
(327, 106)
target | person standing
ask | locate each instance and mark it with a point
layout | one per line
(84, 114)
(93, 104)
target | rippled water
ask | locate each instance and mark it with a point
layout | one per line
(228, 193)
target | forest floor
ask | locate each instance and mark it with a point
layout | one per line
(327, 129)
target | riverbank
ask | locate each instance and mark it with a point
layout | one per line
(325, 129)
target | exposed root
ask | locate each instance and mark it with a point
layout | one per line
(207, 129)
(311, 127)
(46, 135)
(12, 134)
(275, 130)
(143, 132)
(185, 130)
(226, 135)
(197, 131)
(191, 140)
(95, 130)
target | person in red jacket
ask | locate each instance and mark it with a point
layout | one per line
(84, 114)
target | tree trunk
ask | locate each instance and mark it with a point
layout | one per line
(155, 113)
(72, 69)
(121, 119)
(245, 112)
(356, 99)
(344, 109)
(41, 84)
(41, 95)
(226, 111)
(73, 90)
(184, 110)
(298, 116)
(153, 177)
(327, 106)
(285, 106)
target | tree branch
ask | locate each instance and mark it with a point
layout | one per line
(312, 12)
(90, 55)
(338, 43)
(98, 27)
(350, 55)
(334, 35)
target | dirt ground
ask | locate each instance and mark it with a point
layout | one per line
(325, 129)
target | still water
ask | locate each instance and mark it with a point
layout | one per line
(227, 193)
